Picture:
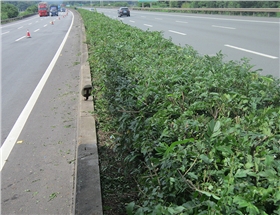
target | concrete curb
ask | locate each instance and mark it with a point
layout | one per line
(88, 199)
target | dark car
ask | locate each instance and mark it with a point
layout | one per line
(123, 11)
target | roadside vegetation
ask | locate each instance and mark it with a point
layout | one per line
(181, 133)
(17, 9)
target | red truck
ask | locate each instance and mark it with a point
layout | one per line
(43, 9)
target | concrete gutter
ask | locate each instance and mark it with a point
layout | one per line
(88, 190)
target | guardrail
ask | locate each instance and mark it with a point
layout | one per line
(16, 18)
(230, 11)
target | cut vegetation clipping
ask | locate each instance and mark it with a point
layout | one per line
(196, 134)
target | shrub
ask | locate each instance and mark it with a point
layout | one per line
(199, 135)
(9, 10)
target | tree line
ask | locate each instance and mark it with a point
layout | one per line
(221, 4)
(12, 9)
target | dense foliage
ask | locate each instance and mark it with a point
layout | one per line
(198, 135)
(8, 11)
(22, 5)
(30, 10)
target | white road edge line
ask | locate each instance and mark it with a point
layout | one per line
(176, 32)
(45, 25)
(5, 32)
(20, 38)
(37, 30)
(131, 21)
(20, 27)
(253, 52)
(10, 141)
(216, 26)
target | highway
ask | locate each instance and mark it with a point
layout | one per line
(38, 175)
(237, 37)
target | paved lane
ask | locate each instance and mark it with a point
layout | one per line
(24, 61)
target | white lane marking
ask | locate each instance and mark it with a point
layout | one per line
(217, 26)
(176, 32)
(253, 52)
(5, 32)
(182, 22)
(148, 25)
(45, 25)
(131, 21)
(30, 23)
(20, 38)
(10, 141)
(37, 30)
(20, 27)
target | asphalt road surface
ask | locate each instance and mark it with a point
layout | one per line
(256, 38)
(24, 61)
(40, 91)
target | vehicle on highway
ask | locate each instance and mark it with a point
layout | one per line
(43, 9)
(53, 10)
(62, 9)
(123, 11)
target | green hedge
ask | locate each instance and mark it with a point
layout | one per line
(200, 135)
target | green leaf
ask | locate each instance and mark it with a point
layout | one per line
(209, 194)
(192, 175)
(277, 196)
(171, 147)
(242, 173)
(217, 127)
(179, 209)
(214, 129)
(129, 208)
(241, 201)
(268, 160)
(268, 173)
(225, 149)
(205, 158)
(252, 209)
(249, 165)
